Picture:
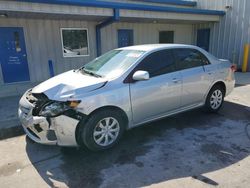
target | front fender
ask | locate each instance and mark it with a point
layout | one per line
(118, 97)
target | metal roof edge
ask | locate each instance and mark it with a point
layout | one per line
(172, 2)
(129, 6)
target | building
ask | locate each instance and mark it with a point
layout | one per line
(232, 32)
(40, 38)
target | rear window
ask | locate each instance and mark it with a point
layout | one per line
(189, 58)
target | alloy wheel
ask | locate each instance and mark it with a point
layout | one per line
(106, 131)
(216, 99)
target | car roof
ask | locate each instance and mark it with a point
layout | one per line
(150, 47)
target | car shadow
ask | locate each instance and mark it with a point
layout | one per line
(185, 145)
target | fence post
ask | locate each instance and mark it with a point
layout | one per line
(245, 58)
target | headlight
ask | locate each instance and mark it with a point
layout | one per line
(56, 108)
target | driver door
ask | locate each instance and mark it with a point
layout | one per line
(160, 94)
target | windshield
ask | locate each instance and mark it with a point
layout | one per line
(113, 63)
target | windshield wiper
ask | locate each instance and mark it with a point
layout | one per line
(91, 73)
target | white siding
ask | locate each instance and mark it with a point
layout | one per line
(169, 16)
(42, 22)
(42, 8)
(145, 33)
(43, 43)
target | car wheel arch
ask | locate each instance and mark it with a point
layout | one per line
(216, 104)
(221, 84)
(78, 128)
(218, 82)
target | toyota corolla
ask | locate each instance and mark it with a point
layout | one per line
(122, 89)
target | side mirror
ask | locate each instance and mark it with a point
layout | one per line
(140, 75)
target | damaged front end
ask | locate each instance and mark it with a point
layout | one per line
(49, 122)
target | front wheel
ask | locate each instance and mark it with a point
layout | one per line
(215, 99)
(103, 130)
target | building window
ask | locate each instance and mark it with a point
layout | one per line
(74, 42)
(166, 37)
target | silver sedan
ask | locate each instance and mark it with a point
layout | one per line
(124, 88)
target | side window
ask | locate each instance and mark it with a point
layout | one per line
(189, 58)
(157, 63)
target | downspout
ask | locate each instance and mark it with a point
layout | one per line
(114, 18)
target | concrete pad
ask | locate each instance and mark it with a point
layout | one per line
(9, 122)
(8, 109)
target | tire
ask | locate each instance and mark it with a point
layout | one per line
(96, 135)
(215, 99)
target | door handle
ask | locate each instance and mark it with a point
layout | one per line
(175, 80)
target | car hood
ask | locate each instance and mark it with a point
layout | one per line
(69, 85)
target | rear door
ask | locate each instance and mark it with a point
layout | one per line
(161, 93)
(190, 63)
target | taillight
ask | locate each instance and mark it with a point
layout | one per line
(233, 68)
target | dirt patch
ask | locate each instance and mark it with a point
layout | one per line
(10, 168)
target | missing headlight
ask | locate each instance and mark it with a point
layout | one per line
(56, 108)
(53, 109)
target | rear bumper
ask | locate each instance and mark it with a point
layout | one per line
(51, 131)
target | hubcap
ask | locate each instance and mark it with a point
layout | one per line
(106, 131)
(216, 99)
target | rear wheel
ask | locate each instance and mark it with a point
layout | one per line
(103, 130)
(215, 98)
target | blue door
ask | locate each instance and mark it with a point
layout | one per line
(125, 38)
(203, 38)
(13, 57)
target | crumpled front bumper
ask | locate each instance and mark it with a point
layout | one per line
(37, 128)
(58, 130)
